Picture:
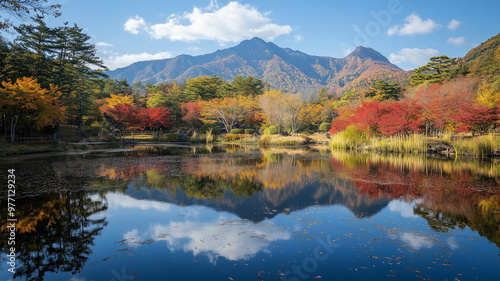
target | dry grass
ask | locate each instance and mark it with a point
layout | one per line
(412, 144)
(477, 146)
(282, 140)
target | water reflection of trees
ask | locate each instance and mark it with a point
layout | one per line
(55, 233)
(450, 193)
(283, 179)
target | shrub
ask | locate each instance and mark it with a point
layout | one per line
(237, 131)
(170, 138)
(351, 138)
(249, 131)
(272, 130)
(325, 127)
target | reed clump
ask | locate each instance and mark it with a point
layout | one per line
(478, 146)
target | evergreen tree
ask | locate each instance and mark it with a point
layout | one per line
(434, 72)
(248, 86)
(381, 90)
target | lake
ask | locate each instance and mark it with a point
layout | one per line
(231, 213)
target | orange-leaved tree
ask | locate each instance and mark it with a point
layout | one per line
(25, 98)
(191, 113)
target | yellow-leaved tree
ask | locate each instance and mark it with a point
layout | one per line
(282, 109)
(226, 111)
(488, 95)
(116, 100)
(27, 99)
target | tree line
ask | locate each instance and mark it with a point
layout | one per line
(52, 76)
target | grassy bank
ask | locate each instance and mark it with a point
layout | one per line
(8, 149)
(481, 146)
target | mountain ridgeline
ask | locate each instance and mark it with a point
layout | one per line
(280, 68)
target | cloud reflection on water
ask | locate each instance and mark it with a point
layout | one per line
(202, 231)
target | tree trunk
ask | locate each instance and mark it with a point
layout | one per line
(80, 116)
(32, 128)
(57, 133)
(13, 123)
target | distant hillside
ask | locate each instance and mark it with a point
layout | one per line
(281, 68)
(482, 51)
(484, 61)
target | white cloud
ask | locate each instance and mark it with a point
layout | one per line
(406, 209)
(416, 241)
(452, 243)
(454, 24)
(415, 56)
(298, 37)
(103, 44)
(460, 41)
(117, 61)
(233, 239)
(231, 23)
(116, 201)
(135, 25)
(346, 51)
(414, 25)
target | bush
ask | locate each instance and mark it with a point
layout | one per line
(351, 138)
(325, 127)
(237, 131)
(272, 130)
(233, 137)
(249, 131)
(170, 137)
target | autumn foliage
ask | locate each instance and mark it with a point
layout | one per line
(129, 117)
(428, 108)
(25, 99)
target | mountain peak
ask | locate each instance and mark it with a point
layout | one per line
(256, 41)
(367, 53)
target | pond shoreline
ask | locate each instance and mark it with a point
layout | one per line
(438, 148)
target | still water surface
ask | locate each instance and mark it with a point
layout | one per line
(216, 213)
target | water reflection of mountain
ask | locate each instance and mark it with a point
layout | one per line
(270, 202)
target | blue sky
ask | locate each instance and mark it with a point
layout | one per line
(408, 32)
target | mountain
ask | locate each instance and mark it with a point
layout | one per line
(281, 68)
